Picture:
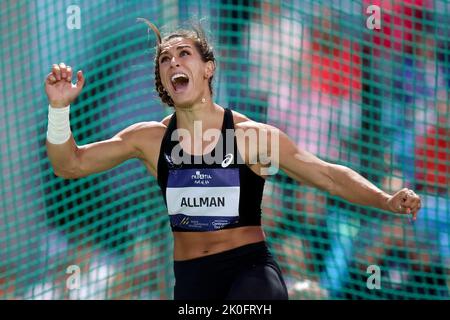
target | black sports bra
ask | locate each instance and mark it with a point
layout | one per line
(204, 195)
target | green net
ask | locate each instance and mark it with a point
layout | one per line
(368, 93)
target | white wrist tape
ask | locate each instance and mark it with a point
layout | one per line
(58, 130)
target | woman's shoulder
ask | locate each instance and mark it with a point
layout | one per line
(241, 121)
(166, 120)
(239, 117)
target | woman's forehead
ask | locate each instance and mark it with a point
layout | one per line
(176, 42)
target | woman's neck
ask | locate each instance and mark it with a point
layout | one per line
(208, 114)
(197, 120)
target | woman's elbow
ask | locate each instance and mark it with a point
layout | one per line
(328, 182)
(66, 173)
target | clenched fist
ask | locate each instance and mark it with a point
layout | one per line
(59, 87)
(405, 201)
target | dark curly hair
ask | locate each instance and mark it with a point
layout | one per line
(203, 47)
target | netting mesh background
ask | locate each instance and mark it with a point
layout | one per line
(376, 100)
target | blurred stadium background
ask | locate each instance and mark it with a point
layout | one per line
(374, 100)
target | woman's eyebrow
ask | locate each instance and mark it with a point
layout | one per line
(178, 48)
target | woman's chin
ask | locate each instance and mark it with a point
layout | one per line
(183, 104)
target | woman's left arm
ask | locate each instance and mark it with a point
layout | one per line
(336, 179)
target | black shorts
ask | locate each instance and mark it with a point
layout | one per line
(244, 273)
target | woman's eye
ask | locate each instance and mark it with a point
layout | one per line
(164, 59)
(184, 53)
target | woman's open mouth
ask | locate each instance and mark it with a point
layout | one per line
(179, 82)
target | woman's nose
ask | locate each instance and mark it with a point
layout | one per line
(174, 62)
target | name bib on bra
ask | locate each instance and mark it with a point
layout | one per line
(203, 199)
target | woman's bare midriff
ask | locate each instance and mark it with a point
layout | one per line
(191, 245)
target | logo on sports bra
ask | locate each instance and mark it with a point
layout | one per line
(170, 162)
(200, 178)
(220, 224)
(228, 159)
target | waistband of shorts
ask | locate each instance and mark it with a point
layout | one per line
(232, 254)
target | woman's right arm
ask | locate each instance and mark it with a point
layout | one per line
(71, 161)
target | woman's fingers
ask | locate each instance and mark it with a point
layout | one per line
(51, 78)
(56, 72)
(80, 80)
(63, 70)
(69, 73)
